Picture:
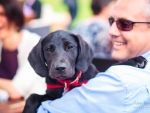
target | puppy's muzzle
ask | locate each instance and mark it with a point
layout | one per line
(60, 68)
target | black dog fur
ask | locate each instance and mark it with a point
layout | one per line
(60, 55)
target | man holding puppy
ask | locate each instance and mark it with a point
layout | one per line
(121, 88)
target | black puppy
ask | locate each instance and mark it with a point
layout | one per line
(65, 60)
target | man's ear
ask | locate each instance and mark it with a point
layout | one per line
(85, 54)
(36, 59)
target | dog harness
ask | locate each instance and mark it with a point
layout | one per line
(66, 84)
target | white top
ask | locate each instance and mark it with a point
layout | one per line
(26, 81)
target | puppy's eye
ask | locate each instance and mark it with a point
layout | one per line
(50, 48)
(70, 46)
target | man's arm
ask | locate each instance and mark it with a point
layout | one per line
(103, 94)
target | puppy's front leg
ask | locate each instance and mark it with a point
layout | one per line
(33, 102)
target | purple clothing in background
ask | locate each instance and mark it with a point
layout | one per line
(8, 64)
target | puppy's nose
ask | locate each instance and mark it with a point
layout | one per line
(60, 69)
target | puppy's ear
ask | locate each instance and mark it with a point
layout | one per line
(36, 59)
(85, 54)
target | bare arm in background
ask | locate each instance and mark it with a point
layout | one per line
(7, 85)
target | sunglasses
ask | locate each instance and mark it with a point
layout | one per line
(124, 25)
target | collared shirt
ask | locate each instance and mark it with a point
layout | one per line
(121, 89)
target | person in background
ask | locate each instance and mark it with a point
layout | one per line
(73, 9)
(94, 30)
(17, 78)
(32, 9)
(121, 88)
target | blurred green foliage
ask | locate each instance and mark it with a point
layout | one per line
(57, 5)
(84, 9)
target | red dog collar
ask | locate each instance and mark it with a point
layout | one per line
(66, 84)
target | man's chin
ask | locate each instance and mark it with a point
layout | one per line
(119, 57)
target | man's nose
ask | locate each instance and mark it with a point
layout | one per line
(114, 31)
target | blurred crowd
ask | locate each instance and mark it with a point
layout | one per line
(24, 22)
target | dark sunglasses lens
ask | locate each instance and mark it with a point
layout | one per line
(124, 25)
(111, 21)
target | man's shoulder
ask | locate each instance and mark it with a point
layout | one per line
(131, 77)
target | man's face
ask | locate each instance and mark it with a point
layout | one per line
(128, 44)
